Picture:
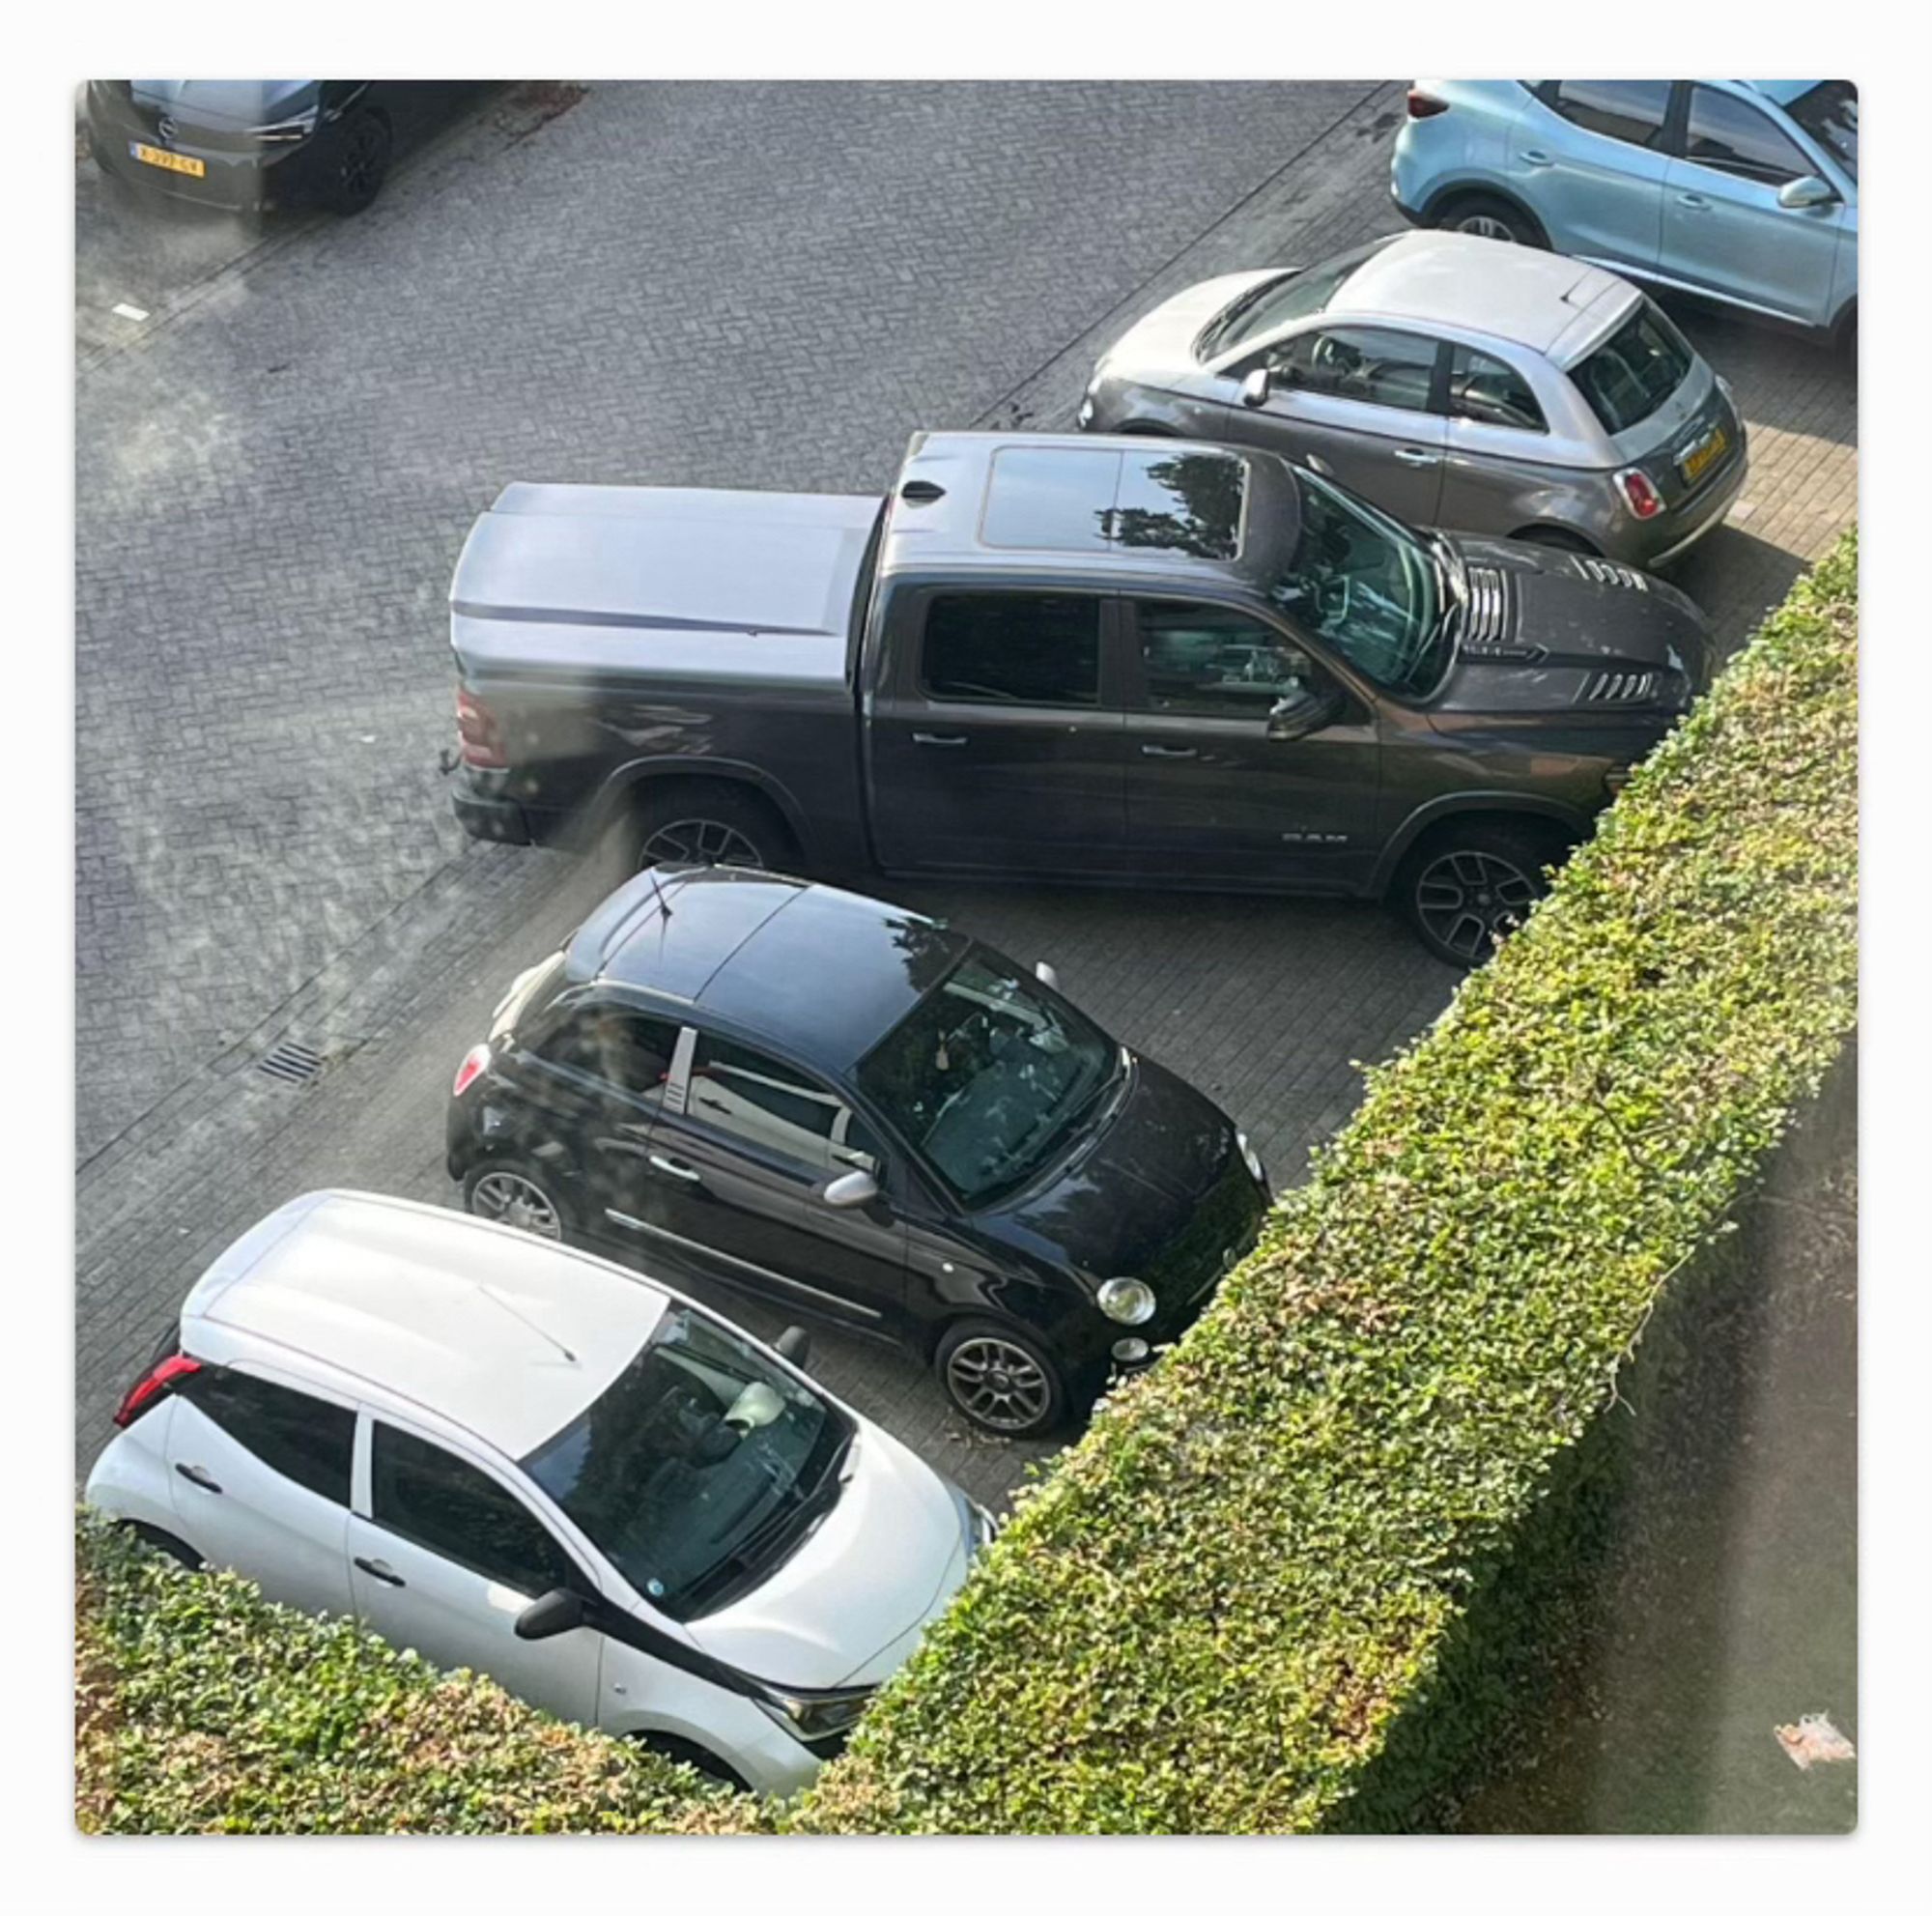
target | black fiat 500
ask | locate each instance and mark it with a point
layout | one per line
(852, 1110)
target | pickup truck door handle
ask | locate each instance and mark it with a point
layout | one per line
(1167, 751)
(1693, 199)
(375, 1568)
(1536, 157)
(672, 1167)
(1414, 456)
(197, 1476)
(939, 738)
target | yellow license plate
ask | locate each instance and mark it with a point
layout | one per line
(1706, 455)
(170, 162)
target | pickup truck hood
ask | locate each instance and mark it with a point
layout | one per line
(668, 583)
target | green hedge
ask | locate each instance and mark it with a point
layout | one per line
(1212, 1612)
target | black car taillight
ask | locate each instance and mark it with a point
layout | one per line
(479, 737)
(1425, 105)
(475, 1062)
(169, 1365)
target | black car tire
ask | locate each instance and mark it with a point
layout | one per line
(1467, 884)
(1556, 539)
(1483, 213)
(167, 1543)
(704, 822)
(974, 1346)
(519, 1194)
(358, 162)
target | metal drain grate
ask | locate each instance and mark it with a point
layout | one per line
(293, 1063)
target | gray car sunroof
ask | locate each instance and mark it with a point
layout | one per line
(1073, 498)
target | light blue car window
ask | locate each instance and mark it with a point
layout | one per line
(1829, 114)
(1732, 135)
(1630, 110)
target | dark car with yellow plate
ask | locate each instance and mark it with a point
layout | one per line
(247, 145)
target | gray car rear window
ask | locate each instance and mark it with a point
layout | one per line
(1063, 499)
(1634, 370)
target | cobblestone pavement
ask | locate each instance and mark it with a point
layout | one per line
(744, 284)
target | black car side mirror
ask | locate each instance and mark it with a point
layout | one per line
(794, 1346)
(1303, 712)
(850, 1189)
(551, 1615)
(1257, 386)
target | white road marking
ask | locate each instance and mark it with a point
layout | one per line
(124, 311)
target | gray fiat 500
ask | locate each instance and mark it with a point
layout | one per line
(1455, 381)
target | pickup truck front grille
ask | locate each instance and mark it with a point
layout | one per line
(1620, 688)
(1607, 572)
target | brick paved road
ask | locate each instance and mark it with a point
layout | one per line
(765, 285)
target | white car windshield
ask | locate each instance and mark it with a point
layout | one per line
(700, 1469)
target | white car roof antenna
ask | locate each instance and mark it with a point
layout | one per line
(530, 1324)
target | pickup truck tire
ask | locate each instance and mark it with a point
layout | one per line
(704, 822)
(1470, 883)
(996, 1377)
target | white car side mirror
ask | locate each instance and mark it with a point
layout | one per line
(1257, 386)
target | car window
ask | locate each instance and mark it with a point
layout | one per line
(1634, 370)
(1632, 111)
(1829, 114)
(1214, 662)
(770, 1105)
(1012, 648)
(1732, 136)
(1275, 302)
(300, 1437)
(1370, 363)
(1490, 392)
(433, 1498)
(626, 1050)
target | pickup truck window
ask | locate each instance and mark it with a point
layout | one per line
(1212, 662)
(1012, 648)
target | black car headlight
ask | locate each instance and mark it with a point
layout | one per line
(1127, 1299)
(813, 1717)
(1252, 1158)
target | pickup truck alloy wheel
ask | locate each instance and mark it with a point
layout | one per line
(1467, 898)
(700, 841)
(999, 1382)
(505, 1196)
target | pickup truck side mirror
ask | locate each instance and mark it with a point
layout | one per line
(850, 1189)
(551, 1615)
(1809, 191)
(1306, 710)
(1257, 386)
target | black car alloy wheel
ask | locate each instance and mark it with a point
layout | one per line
(999, 1379)
(507, 1193)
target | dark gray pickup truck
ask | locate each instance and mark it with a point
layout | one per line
(1076, 659)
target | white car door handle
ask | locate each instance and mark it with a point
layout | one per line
(1414, 456)
(197, 1476)
(374, 1566)
(672, 1168)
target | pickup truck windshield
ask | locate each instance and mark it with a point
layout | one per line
(987, 1078)
(701, 1468)
(1368, 586)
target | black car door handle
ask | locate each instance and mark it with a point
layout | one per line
(673, 1167)
(1167, 751)
(379, 1570)
(197, 1476)
(939, 738)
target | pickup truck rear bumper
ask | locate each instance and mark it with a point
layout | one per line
(487, 814)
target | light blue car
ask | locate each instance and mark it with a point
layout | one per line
(1741, 191)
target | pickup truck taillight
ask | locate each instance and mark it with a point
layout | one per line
(479, 737)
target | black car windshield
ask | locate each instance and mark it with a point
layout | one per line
(1829, 114)
(700, 1469)
(1368, 586)
(987, 1078)
(1275, 302)
(1634, 370)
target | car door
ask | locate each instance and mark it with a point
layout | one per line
(1363, 401)
(589, 1078)
(740, 1157)
(260, 1474)
(1499, 470)
(1589, 160)
(444, 1556)
(996, 744)
(1723, 227)
(1211, 792)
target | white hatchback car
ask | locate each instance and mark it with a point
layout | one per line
(518, 1459)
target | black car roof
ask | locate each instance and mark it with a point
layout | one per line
(824, 973)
